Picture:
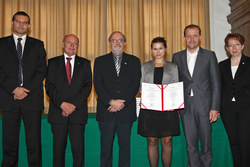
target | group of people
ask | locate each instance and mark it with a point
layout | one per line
(210, 90)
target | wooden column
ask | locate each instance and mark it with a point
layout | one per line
(240, 20)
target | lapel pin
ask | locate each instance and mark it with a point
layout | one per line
(243, 63)
(125, 63)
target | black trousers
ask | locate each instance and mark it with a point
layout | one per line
(108, 130)
(60, 136)
(11, 121)
(237, 123)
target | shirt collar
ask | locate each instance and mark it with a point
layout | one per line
(66, 56)
(16, 37)
(194, 53)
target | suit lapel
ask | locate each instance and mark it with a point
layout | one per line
(198, 62)
(112, 64)
(241, 67)
(184, 63)
(62, 68)
(27, 46)
(124, 63)
(228, 70)
(76, 70)
(12, 45)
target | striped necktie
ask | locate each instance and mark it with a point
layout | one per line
(19, 53)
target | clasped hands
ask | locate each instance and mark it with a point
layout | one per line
(20, 93)
(116, 105)
(67, 108)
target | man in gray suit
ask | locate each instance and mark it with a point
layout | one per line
(198, 69)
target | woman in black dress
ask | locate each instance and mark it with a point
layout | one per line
(235, 99)
(157, 125)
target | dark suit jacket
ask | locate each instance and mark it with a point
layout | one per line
(239, 87)
(108, 86)
(205, 81)
(59, 90)
(34, 71)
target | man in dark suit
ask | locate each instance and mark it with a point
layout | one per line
(22, 71)
(68, 84)
(198, 69)
(116, 79)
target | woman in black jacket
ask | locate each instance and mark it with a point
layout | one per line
(235, 102)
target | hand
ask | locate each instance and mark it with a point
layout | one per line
(116, 105)
(65, 114)
(20, 93)
(213, 115)
(68, 107)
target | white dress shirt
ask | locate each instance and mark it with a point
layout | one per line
(191, 59)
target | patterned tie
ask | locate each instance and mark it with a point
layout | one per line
(117, 65)
(19, 53)
(68, 69)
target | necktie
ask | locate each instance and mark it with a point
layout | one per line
(19, 53)
(117, 65)
(68, 69)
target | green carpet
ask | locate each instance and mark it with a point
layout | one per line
(221, 151)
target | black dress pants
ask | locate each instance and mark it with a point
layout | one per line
(237, 123)
(108, 130)
(11, 121)
(60, 136)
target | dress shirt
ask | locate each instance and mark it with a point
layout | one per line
(72, 62)
(234, 69)
(22, 41)
(191, 59)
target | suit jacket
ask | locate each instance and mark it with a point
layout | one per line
(205, 81)
(34, 71)
(108, 86)
(170, 72)
(59, 90)
(239, 87)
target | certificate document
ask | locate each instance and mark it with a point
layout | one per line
(162, 97)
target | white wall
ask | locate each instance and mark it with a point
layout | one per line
(219, 27)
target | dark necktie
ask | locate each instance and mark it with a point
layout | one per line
(19, 53)
(117, 65)
(68, 69)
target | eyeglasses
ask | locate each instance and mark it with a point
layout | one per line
(117, 40)
(21, 22)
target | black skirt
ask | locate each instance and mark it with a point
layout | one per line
(158, 124)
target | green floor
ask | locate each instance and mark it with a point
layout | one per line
(221, 151)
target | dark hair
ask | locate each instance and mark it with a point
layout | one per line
(21, 13)
(124, 38)
(192, 26)
(235, 36)
(159, 40)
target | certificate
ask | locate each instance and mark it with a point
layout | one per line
(162, 97)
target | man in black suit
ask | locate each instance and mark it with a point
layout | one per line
(68, 84)
(116, 79)
(22, 71)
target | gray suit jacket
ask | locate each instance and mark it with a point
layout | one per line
(205, 81)
(170, 72)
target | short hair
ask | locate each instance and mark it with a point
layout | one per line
(64, 38)
(22, 13)
(159, 40)
(192, 26)
(124, 37)
(235, 36)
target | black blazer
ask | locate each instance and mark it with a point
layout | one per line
(59, 90)
(108, 86)
(34, 71)
(239, 87)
